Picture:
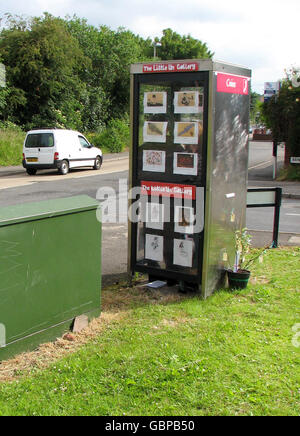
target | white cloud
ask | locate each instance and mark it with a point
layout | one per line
(262, 35)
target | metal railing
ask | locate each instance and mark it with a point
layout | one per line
(267, 197)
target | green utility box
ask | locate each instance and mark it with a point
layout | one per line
(50, 270)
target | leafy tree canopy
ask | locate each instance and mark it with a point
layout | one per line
(175, 46)
(43, 61)
(282, 112)
(65, 72)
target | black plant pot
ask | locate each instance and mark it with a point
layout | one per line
(238, 280)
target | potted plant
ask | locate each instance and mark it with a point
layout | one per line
(239, 274)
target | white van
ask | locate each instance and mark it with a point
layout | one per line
(58, 148)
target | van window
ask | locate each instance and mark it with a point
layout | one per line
(83, 142)
(39, 140)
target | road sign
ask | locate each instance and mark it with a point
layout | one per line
(295, 160)
(271, 89)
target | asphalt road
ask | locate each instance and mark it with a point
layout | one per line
(261, 165)
(15, 180)
(262, 218)
(83, 183)
(16, 187)
(49, 185)
(261, 161)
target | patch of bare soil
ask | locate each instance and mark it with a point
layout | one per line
(117, 302)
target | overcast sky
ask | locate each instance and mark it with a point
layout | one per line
(260, 34)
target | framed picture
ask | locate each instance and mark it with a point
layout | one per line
(184, 219)
(154, 160)
(154, 247)
(188, 102)
(186, 133)
(185, 163)
(155, 131)
(155, 102)
(155, 216)
(183, 252)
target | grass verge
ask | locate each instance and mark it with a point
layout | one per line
(167, 354)
(11, 147)
(290, 173)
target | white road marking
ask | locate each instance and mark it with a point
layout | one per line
(260, 164)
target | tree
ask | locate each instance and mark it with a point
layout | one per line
(282, 114)
(255, 107)
(3, 93)
(111, 53)
(175, 46)
(65, 72)
(43, 62)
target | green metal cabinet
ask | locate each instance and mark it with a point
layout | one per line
(50, 270)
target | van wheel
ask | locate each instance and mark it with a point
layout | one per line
(31, 171)
(98, 163)
(64, 168)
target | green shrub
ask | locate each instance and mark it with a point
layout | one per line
(8, 125)
(114, 138)
(11, 145)
(292, 173)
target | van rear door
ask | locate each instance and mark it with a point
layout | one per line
(39, 148)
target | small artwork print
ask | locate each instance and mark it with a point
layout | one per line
(184, 219)
(155, 216)
(155, 102)
(154, 247)
(186, 163)
(155, 131)
(154, 161)
(183, 252)
(188, 102)
(186, 133)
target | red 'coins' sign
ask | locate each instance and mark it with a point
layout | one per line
(172, 67)
(232, 84)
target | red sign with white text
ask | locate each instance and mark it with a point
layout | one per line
(168, 190)
(232, 84)
(174, 67)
